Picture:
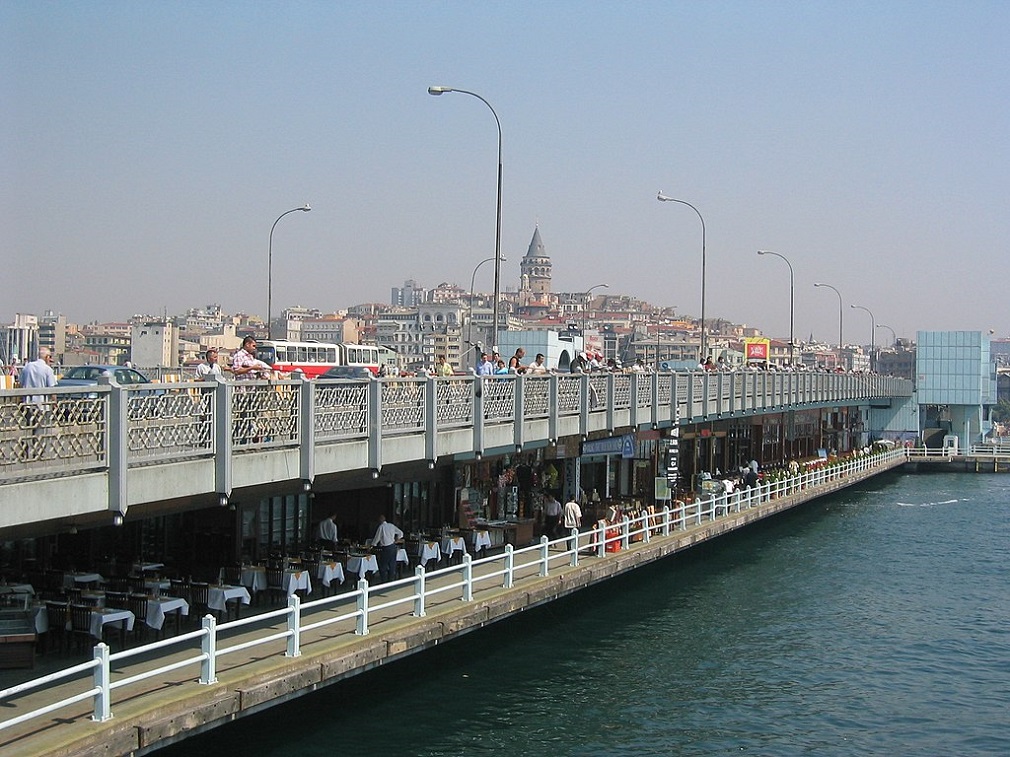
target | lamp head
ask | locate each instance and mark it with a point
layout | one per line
(762, 252)
(438, 90)
(305, 208)
(662, 197)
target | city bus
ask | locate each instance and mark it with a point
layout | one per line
(315, 358)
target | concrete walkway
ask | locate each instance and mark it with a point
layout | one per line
(173, 705)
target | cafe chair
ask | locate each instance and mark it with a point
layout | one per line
(199, 596)
(80, 626)
(138, 606)
(58, 614)
(275, 584)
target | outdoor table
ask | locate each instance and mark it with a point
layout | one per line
(254, 578)
(401, 556)
(157, 584)
(428, 550)
(105, 615)
(69, 579)
(481, 539)
(451, 544)
(157, 609)
(296, 580)
(145, 567)
(361, 564)
(218, 596)
(328, 571)
(17, 589)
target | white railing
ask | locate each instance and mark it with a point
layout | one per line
(464, 580)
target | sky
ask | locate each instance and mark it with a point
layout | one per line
(147, 148)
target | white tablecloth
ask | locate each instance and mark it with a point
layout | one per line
(142, 567)
(158, 584)
(428, 550)
(328, 571)
(110, 615)
(218, 596)
(452, 544)
(17, 589)
(157, 609)
(481, 539)
(295, 580)
(69, 579)
(254, 577)
(401, 556)
(359, 566)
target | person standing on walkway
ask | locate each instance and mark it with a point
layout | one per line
(328, 532)
(552, 514)
(386, 537)
(38, 374)
(209, 368)
(572, 518)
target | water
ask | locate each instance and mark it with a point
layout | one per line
(871, 622)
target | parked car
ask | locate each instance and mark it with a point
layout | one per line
(88, 375)
(347, 372)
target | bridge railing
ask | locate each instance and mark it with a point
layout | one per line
(355, 610)
(75, 430)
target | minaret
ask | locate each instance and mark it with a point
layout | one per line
(535, 268)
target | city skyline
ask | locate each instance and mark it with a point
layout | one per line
(156, 144)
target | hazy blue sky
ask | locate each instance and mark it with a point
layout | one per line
(148, 147)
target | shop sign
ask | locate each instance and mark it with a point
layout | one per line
(613, 445)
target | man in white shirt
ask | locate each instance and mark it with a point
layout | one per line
(386, 537)
(572, 518)
(209, 368)
(328, 532)
(552, 514)
(38, 374)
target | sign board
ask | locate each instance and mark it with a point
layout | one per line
(662, 489)
(613, 445)
(757, 348)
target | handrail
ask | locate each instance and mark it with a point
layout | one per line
(513, 561)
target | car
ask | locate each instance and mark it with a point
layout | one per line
(88, 375)
(347, 372)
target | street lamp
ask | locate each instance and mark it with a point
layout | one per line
(497, 230)
(791, 299)
(585, 307)
(473, 277)
(894, 337)
(873, 325)
(270, 267)
(839, 316)
(663, 198)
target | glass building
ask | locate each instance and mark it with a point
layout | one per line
(955, 385)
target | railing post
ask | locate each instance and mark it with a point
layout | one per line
(294, 626)
(509, 566)
(625, 532)
(544, 555)
(646, 526)
(224, 441)
(419, 583)
(307, 429)
(101, 676)
(430, 419)
(375, 425)
(518, 410)
(362, 629)
(573, 547)
(666, 520)
(479, 384)
(611, 397)
(208, 648)
(601, 541)
(553, 407)
(467, 577)
(119, 435)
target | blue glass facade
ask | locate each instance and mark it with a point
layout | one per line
(954, 368)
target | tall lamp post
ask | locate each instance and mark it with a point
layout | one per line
(873, 325)
(270, 268)
(497, 230)
(469, 320)
(663, 198)
(839, 317)
(792, 292)
(894, 337)
(585, 307)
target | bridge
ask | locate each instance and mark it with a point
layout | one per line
(90, 455)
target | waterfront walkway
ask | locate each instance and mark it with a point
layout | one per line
(255, 673)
